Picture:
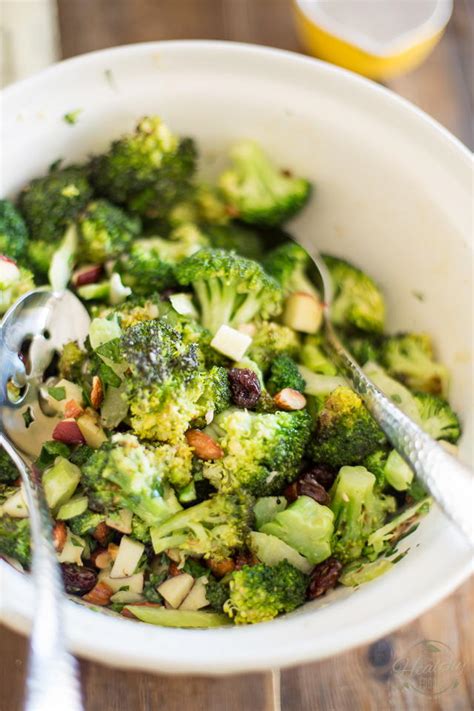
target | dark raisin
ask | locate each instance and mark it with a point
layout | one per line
(323, 474)
(324, 577)
(78, 580)
(307, 486)
(244, 387)
(291, 492)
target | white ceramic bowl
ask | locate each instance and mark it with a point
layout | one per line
(392, 193)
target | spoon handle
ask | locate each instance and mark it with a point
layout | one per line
(53, 679)
(449, 481)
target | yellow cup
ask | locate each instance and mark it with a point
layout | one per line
(376, 38)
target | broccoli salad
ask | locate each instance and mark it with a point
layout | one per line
(209, 465)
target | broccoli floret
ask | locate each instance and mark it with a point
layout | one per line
(270, 341)
(106, 231)
(15, 538)
(259, 593)
(14, 282)
(204, 205)
(313, 356)
(262, 452)
(149, 266)
(258, 191)
(148, 171)
(238, 238)
(306, 526)
(213, 528)
(230, 289)
(389, 468)
(284, 373)
(384, 538)
(13, 231)
(49, 204)
(358, 511)
(438, 419)
(363, 571)
(217, 593)
(125, 473)
(71, 361)
(358, 302)
(409, 358)
(289, 264)
(8, 471)
(135, 310)
(85, 523)
(345, 431)
(140, 530)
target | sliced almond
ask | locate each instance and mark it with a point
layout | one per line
(101, 533)
(101, 558)
(112, 549)
(59, 535)
(73, 409)
(99, 595)
(289, 399)
(97, 392)
(204, 446)
(220, 567)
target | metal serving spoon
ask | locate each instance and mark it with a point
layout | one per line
(448, 481)
(47, 321)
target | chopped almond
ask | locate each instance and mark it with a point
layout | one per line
(101, 558)
(289, 399)
(99, 595)
(204, 446)
(173, 569)
(97, 392)
(112, 549)
(59, 535)
(220, 567)
(73, 409)
(101, 533)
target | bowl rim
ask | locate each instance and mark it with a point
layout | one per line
(245, 651)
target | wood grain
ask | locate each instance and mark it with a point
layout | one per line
(364, 678)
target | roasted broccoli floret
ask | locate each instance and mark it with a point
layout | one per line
(14, 282)
(289, 264)
(259, 593)
(213, 528)
(125, 473)
(8, 471)
(358, 302)
(313, 356)
(217, 593)
(262, 451)
(13, 232)
(438, 418)
(149, 266)
(15, 538)
(106, 231)
(86, 522)
(389, 468)
(259, 192)
(384, 538)
(284, 373)
(236, 238)
(230, 289)
(306, 526)
(49, 204)
(148, 171)
(358, 511)
(345, 431)
(272, 340)
(409, 358)
(365, 347)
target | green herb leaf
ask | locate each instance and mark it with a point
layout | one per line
(108, 376)
(57, 393)
(110, 350)
(49, 451)
(72, 117)
(27, 417)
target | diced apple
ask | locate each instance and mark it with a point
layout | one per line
(183, 304)
(72, 550)
(175, 589)
(120, 521)
(303, 312)
(60, 482)
(196, 598)
(15, 506)
(231, 343)
(69, 432)
(128, 556)
(92, 432)
(9, 272)
(133, 583)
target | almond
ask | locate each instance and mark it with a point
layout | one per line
(112, 550)
(68, 431)
(97, 392)
(73, 409)
(101, 533)
(101, 558)
(204, 446)
(173, 569)
(59, 535)
(99, 595)
(89, 274)
(220, 567)
(289, 399)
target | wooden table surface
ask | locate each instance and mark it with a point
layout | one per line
(364, 678)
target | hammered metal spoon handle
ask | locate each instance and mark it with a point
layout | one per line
(53, 679)
(449, 481)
